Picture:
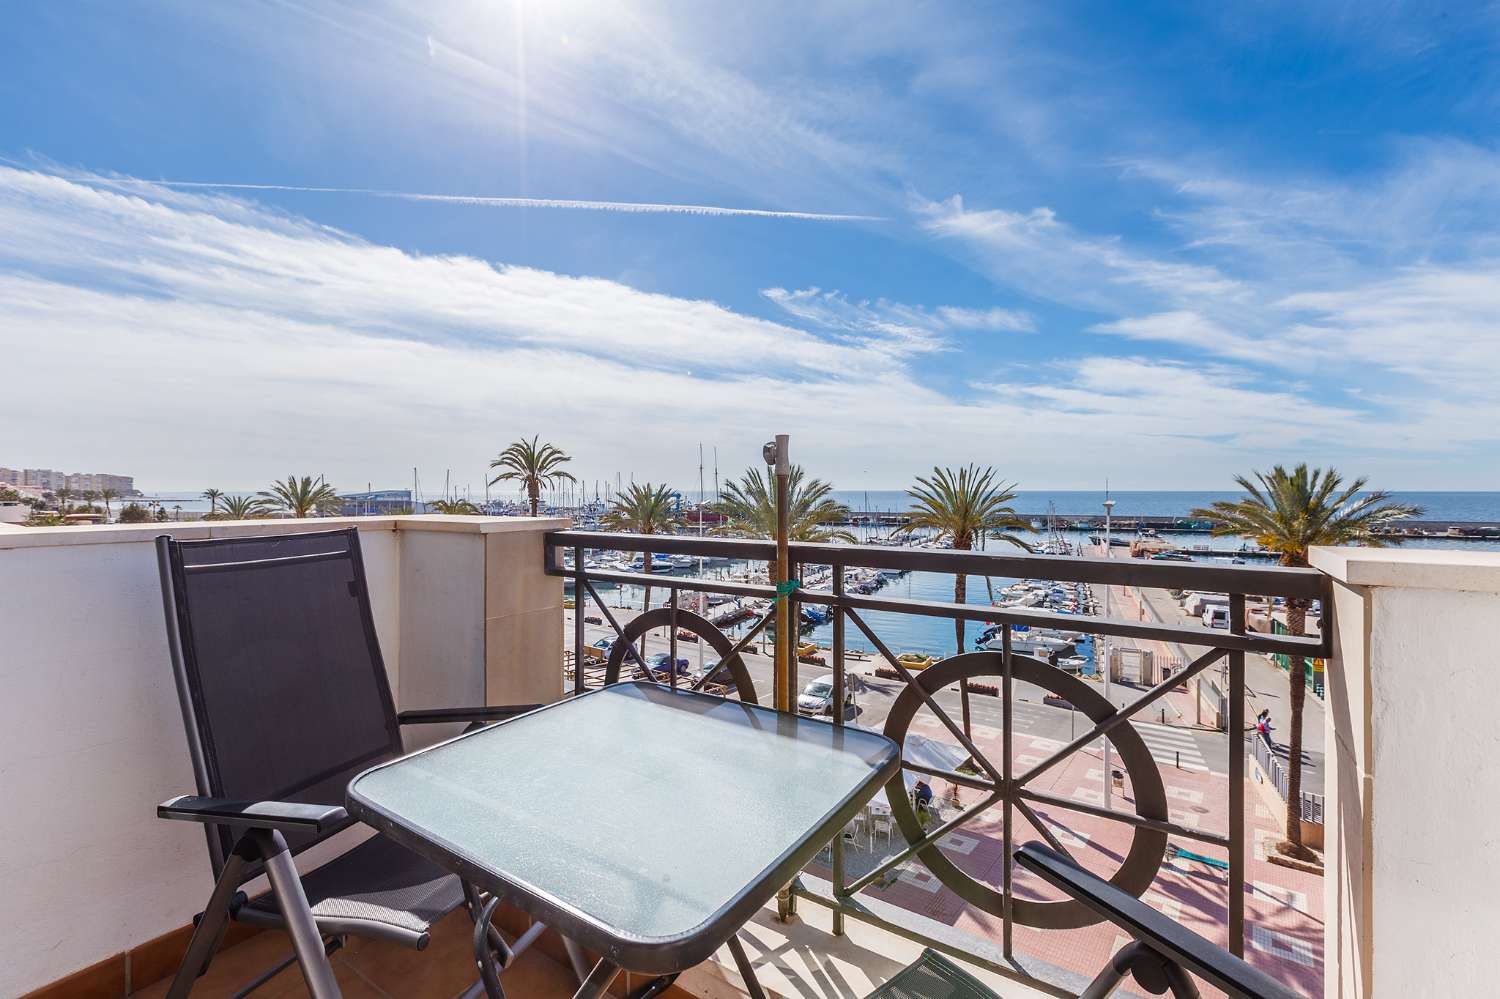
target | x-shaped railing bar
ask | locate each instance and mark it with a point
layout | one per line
(738, 647)
(1040, 825)
(927, 698)
(1128, 818)
(630, 646)
(1012, 789)
(1123, 715)
(953, 776)
(932, 837)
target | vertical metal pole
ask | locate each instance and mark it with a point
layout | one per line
(1109, 506)
(1005, 773)
(1237, 781)
(672, 641)
(838, 722)
(580, 597)
(785, 639)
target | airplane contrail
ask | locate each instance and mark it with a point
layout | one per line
(501, 202)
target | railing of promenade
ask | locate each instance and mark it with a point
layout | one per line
(1002, 782)
(1271, 766)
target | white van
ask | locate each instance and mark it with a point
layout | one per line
(1215, 616)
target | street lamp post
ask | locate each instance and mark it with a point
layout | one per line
(1109, 507)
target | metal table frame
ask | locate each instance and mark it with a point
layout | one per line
(664, 956)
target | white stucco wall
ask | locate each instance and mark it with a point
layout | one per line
(442, 608)
(91, 736)
(1413, 876)
(91, 739)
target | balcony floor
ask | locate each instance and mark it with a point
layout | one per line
(369, 969)
(801, 959)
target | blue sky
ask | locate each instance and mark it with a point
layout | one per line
(1155, 243)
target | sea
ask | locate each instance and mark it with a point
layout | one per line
(1456, 506)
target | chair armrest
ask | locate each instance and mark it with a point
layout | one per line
(1173, 942)
(433, 716)
(287, 816)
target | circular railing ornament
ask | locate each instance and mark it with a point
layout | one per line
(707, 632)
(1147, 849)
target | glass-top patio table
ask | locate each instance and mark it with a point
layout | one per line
(645, 824)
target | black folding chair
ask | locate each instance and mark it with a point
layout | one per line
(285, 698)
(1159, 957)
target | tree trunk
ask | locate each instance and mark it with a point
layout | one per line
(960, 593)
(1296, 624)
(534, 493)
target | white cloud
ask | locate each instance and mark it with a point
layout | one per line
(217, 252)
(1186, 328)
(194, 340)
(1437, 324)
(1036, 254)
(905, 327)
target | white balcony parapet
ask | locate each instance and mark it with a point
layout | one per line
(91, 736)
(1413, 773)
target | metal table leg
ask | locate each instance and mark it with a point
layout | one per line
(747, 970)
(598, 980)
(576, 959)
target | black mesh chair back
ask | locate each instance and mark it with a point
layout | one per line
(284, 693)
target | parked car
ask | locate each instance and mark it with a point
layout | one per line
(661, 666)
(817, 697)
(1215, 616)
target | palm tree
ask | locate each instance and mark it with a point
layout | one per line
(644, 509)
(1288, 513)
(63, 496)
(960, 506)
(532, 466)
(304, 497)
(242, 508)
(106, 495)
(213, 496)
(749, 508)
(459, 507)
(88, 498)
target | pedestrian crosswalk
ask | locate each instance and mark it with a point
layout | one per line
(1172, 746)
(1169, 745)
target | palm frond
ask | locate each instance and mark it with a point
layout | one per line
(644, 508)
(959, 505)
(1289, 512)
(748, 508)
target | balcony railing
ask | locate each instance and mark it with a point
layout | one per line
(1000, 779)
(1271, 766)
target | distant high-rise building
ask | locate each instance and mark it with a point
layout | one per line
(51, 480)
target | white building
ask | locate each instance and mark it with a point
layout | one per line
(51, 480)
